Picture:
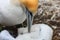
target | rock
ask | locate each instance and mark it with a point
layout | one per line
(38, 32)
(4, 35)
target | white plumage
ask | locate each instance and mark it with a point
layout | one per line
(11, 13)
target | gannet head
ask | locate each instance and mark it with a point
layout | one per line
(31, 5)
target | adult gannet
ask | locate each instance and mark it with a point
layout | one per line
(14, 12)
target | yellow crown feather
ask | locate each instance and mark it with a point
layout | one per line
(32, 5)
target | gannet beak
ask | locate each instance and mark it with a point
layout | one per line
(29, 19)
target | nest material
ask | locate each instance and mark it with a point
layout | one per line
(49, 13)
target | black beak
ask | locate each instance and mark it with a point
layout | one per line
(29, 19)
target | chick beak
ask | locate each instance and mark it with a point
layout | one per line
(29, 19)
